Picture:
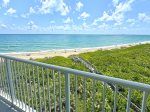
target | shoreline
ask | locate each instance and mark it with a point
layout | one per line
(67, 52)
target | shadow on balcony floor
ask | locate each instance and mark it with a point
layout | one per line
(6, 108)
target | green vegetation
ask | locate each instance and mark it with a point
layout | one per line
(127, 63)
(131, 63)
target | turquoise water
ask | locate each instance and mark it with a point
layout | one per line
(30, 43)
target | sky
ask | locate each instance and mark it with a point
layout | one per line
(75, 16)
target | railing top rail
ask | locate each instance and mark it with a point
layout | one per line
(127, 83)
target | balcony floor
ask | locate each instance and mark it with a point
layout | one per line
(6, 108)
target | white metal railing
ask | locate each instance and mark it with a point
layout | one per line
(34, 86)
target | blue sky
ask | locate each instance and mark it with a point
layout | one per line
(75, 16)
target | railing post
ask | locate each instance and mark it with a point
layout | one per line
(67, 91)
(10, 81)
(145, 96)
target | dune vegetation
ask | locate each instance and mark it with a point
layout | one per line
(132, 63)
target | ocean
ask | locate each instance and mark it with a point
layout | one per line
(43, 42)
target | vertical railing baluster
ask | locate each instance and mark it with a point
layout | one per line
(6, 82)
(5, 79)
(115, 98)
(23, 84)
(76, 89)
(2, 80)
(67, 91)
(104, 97)
(43, 90)
(10, 81)
(17, 87)
(93, 96)
(27, 88)
(84, 94)
(53, 73)
(7, 88)
(19, 84)
(27, 95)
(48, 86)
(30, 96)
(128, 100)
(39, 89)
(145, 95)
(35, 96)
(14, 80)
(60, 100)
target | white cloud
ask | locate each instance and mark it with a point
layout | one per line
(31, 10)
(115, 2)
(118, 14)
(143, 17)
(79, 5)
(105, 17)
(10, 11)
(24, 15)
(30, 22)
(103, 26)
(118, 23)
(96, 21)
(131, 21)
(32, 25)
(5, 3)
(3, 26)
(85, 26)
(124, 7)
(76, 28)
(49, 6)
(62, 27)
(52, 21)
(64, 9)
(73, 27)
(84, 15)
(68, 20)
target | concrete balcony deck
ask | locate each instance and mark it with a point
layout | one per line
(8, 107)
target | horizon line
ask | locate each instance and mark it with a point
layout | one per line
(66, 34)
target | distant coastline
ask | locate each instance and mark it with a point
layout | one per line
(68, 52)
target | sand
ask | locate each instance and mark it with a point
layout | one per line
(67, 52)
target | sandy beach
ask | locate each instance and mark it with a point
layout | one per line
(67, 52)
